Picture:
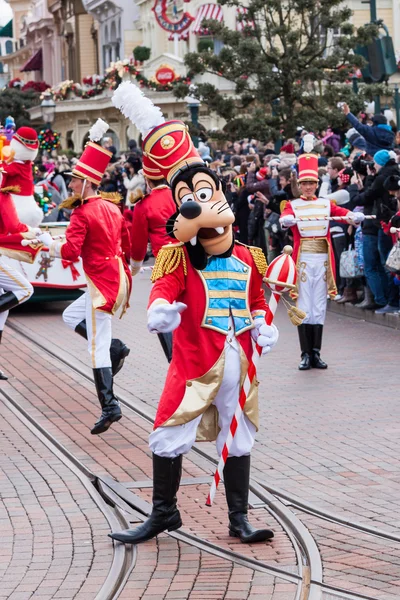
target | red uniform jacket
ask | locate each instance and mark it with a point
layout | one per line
(196, 349)
(98, 234)
(149, 219)
(11, 232)
(9, 221)
(336, 211)
(18, 173)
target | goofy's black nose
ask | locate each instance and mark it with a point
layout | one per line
(190, 209)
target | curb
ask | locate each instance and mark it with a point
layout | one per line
(348, 310)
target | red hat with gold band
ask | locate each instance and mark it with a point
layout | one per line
(94, 160)
(169, 148)
(27, 137)
(308, 168)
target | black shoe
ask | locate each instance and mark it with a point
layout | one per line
(165, 515)
(8, 300)
(236, 480)
(316, 360)
(305, 346)
(111, 410)
(118, 350)
(166, 344)
(305, 363)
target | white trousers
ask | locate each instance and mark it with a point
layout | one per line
(313, 287)
(13, 281)
(98, 325)
(172, 441)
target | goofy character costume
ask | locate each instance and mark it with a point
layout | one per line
(208, 291)
(98, 234)
(308, 217)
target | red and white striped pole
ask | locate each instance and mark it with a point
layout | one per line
(280, 277)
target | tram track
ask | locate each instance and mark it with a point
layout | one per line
(129, 507)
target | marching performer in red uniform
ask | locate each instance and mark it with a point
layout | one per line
(97, 233)
(313, 254)
(208, 291)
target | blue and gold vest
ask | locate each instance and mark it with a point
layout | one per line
(226, 282)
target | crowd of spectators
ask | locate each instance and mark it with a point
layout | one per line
(362, 159)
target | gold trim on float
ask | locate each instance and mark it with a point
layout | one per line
(18, 255)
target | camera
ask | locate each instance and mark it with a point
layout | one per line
(367, 163)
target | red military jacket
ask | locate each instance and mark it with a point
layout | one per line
(150, 216)
(335, 211)
(196, 369)
(12, 232)
(9, 221)
(98, 234)
(18, 173)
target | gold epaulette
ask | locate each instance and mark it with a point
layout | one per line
(333, 201)
(258, 257)
(113, 197)
(168, 260)
(282, 205)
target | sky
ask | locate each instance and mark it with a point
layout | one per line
(5, 12)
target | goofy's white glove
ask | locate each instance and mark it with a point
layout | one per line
(164, 318)
(136, 265)
(356, 217)
(45, 238)
(288, 221)
(265, 335)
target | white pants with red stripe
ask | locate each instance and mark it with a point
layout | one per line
(13, 281)
(172, 441)
(98, 325)
(313, 287)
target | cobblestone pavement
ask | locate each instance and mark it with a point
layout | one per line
(329, 438)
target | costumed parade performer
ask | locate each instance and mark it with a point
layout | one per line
(149, 219)
(313, 254)
(98, 234)
(18, 174)
(207, 291)
(14, 287)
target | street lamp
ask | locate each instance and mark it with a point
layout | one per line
(48, 109)
(193, 105)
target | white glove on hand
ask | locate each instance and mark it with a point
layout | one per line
(258, 322)
(45, 238)
(325, 178)
(136, 265)
(356, 217)
(164, 318)
(268, 337)
(288, 221)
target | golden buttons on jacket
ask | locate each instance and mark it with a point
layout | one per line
(209, 321)
(189, 384)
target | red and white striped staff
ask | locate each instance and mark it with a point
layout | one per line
(280, 277)
(345, 219)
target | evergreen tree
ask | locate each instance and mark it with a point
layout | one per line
(287, 67)
(15, 103)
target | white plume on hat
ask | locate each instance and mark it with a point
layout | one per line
(388, 114)
(308, 142)
(370, 108)
(97, 130)
(134, 105)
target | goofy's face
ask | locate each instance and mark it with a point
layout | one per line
(205, 216)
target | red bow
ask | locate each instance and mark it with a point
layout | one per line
(74, 271)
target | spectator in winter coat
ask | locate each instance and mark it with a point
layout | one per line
(378, 137)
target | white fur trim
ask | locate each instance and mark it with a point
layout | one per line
(134, 105)
(97, 130)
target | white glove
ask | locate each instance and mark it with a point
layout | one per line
(268, 336)
(325, 178)
(356, 217)
(164, 318)
(45, 238)
(287, 221)
(136, 265)
(255, 332)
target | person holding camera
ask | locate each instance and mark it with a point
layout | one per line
(378, 137)
(133, 180)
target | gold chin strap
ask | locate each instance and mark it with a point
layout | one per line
(83, 187)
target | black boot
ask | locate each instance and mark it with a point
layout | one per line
(3, 377)
(236, 479)
(305, 347)
(165, 515)
(8, 300)
(111, 410)
(316, 361)
(166, 344)
(118, 350)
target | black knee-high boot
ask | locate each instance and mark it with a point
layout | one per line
(3, 376)
(305, 347)
(118, 350)
(236, 480)
(316, 360)
(110, 408)
(8, 300)
(165, 514)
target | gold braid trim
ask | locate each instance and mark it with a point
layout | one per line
(11, 189)
(282, 205)
(168, 260)
(113, 197)
(259, 259)
(71, 202)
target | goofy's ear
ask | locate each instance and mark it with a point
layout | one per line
(170, 225)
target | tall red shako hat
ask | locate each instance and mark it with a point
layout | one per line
(94, 160)
(167, 146)
(308, 168)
